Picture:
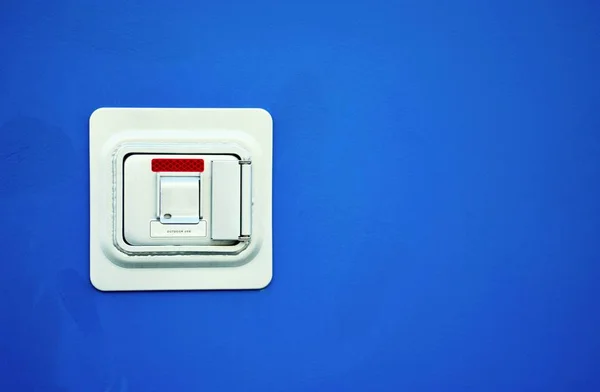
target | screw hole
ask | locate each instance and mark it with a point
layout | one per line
(167, 216)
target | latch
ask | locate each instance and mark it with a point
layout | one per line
(179, 199)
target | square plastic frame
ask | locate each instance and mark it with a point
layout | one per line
(116, 132)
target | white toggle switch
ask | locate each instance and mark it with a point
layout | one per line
(180, 199)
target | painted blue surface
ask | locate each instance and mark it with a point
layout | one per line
(436, 195)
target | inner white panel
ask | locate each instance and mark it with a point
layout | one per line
(140, 200)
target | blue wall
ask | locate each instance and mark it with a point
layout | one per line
(436, 195)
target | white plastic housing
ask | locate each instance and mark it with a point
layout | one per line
(209, 229)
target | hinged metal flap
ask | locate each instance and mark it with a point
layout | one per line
(246, 214)
(226, 206)
(231, 212)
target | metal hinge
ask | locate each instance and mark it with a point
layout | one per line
(246, 200)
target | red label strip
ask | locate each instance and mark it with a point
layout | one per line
(178, 165)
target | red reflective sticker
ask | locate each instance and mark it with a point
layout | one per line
(178, 165)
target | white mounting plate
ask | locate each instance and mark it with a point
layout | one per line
(117, 131)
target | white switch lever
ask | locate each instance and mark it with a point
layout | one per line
(179, 199)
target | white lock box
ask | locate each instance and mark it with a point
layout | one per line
(180, 199)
